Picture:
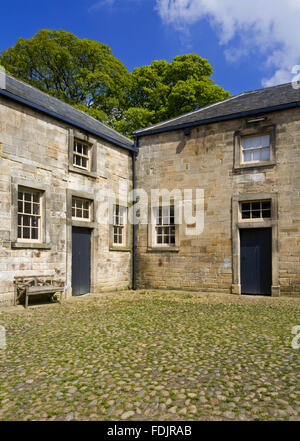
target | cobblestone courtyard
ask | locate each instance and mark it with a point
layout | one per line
(149, 356)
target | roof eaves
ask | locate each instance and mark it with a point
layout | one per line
(218, 119)
(190, 113)
(63, 118)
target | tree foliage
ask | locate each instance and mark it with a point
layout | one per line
(84, 73)
(81, 72)
(166, 90)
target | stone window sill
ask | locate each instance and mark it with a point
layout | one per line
(32, 245)
(254, 165)
(91, 174)
(163, 249)
(119, 248)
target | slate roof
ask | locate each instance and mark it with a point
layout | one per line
(255, 102)
(37, 99)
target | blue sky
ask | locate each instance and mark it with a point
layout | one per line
(249, 43)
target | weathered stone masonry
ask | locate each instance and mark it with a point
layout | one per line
(206, 159)
(34, 152)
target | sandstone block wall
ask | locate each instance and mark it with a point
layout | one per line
(205, 159)
(34, 148)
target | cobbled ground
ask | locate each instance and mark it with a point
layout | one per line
(151, 355)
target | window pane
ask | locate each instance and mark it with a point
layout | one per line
(19, 220)
(26, 233)
(35, 233)
(247, 156)
(266, 205)
(265, 154)
(20, 207)
(26, 221)
(159, 239)
(251, 142)
(36, 209)
(266, 214)
(34, 221)
(36, 197)
(246, 207)
(246, 215)
(265, 141)
(19, 233)
(256, 155)
(27, 196)
(256, 206)
(20, 195)
(255, 214)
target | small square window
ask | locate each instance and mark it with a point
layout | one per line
(81, 209)
(255, 148)
(256, 210)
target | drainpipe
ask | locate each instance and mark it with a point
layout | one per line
(134, 155)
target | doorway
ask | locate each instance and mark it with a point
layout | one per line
(81, 261)
(256, 261)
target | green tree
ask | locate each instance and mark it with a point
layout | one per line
(85, 74)
(81, 72)
(165, 90)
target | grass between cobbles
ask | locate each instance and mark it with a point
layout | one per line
(151, 355)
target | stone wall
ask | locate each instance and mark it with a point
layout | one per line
(205, 159)
(34, 148)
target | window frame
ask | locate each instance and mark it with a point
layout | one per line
(124, 246)
(85, 139)
(260, 148)
(44, 241)
(90, 209)
(87, 157)
(257, 219)
(257, 130)
(26, 190)
(153, 244)
(164, 226)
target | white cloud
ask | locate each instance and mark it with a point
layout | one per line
(268, 26)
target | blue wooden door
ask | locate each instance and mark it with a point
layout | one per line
(256, 261)
(81, 261)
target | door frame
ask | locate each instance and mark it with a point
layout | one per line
(89, 231)
(91, 225)
(238, 224)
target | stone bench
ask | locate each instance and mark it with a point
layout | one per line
(36, 285)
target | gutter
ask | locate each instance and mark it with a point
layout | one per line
(134, 155)
(218, 119)
(62, 118)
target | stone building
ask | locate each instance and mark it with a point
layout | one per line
(54, 163)
(244, 153)
(58, 165)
